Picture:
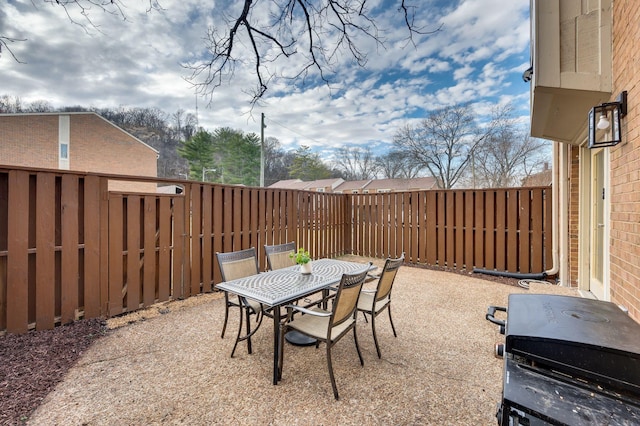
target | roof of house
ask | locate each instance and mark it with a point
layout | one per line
(338, 184)
(289, 184)
(403, 184)
(325, 183)
(352, 184)
(544, 178)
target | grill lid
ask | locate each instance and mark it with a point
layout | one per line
(577, 336)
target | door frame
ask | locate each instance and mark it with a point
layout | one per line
(587, 221)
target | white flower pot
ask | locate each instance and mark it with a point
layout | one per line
(305, 268)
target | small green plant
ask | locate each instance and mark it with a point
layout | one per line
(301, 257)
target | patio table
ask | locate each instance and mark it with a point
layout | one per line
(275, 289)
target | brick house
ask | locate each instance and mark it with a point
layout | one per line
(82, 141)
(585, 54)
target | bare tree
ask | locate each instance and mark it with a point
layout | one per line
(315, 32)
(444, 142)
(355, 163)
(507, 157)
(398, 165)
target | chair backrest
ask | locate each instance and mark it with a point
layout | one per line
(238, 264)
(278, 255)
(388, 276)
(346, 299)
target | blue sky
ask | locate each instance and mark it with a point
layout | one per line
(478, 56)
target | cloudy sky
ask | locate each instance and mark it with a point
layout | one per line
(477, 56)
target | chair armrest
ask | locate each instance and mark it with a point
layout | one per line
(371, 277)
(309, 311)
(366, 290)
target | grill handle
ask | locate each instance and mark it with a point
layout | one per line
(491, 316)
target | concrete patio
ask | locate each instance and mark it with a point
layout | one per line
(168, 365)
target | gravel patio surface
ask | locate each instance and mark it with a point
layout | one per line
(168, 365)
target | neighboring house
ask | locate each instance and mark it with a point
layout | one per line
(82, 141)
(352, 186)
(543, 178)
(359, 186)
(397, 185)
(324, 185)
(585, 54)
(290, 184)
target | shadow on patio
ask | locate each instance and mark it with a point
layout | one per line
(174, 368)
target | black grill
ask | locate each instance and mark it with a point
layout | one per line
(568, 361)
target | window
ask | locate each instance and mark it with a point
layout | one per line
(64, 151)
(320, 189)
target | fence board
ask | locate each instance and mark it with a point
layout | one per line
(69, 249)
(218, 230)
(180, 248)
(165, 255)
(524, 263)
(422, 220)
(478, 229)
(17, 256)
(405, 245)
(245, 214)
(512, 230)
(196, 240)
(501, 230)
(449, 225)
(92, 247)
(150, 223)
(459, 228)
(489, 233)
(45, 250)
(537, 260)
(207, 238)
(132, 257)
(115, 254)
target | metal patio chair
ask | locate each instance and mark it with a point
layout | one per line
(278, 255)
(373, 302)
(235, 265)
(329, 326)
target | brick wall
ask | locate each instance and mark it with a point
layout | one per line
(574, 206)
(625, 163)
(98, 146)
(29, 141)
(95, 145)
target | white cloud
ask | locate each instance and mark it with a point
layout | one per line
(138, 63)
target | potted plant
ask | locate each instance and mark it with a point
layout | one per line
(302, 258)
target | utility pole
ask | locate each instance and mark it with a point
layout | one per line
(262, 127)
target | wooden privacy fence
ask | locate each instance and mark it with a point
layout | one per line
(70, 248)
(501, 229)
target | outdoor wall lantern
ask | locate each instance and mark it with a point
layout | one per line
(604, 122)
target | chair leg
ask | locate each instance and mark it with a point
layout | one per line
(235, 345)
(248, 314)
(226, 314)
(355, 339)
(375, 337)
(281, 334)
(330, 367)
(391, 321)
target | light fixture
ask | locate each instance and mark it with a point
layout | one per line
(604, 122)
